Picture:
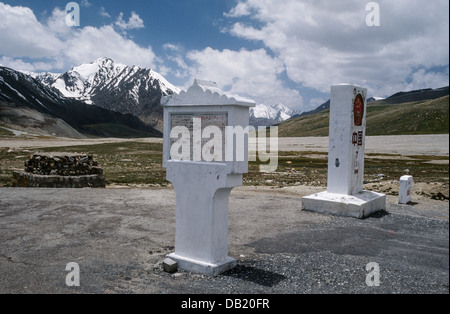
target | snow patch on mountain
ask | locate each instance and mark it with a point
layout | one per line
(372, 99)
(85, 81)
(116, 87)
(46, 77)
(276, 113)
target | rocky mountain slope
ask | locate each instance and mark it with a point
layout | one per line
(19, 91)
(134, 90)
(114, 86)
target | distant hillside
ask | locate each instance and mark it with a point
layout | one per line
(417, 95)
(321, 108)
(421, 117)
(391, 116)
(25, 120)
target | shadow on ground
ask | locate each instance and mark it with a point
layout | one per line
(255, 275)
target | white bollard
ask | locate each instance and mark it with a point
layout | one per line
(405, 190)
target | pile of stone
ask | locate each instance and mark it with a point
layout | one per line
(60, 170)
(67, 164)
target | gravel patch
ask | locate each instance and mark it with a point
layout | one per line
(120, 238)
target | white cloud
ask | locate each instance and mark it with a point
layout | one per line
(56, 25)
(52, 45)
(85, 3)
(425, 78)
(134, 22)
(248, 73)
(316, 102)
(327, 42)
(37, 66)
(175, 54)
(171, 47)
(21, 35)
(90, 43)
(240, 10)
(103, 13)
(315, 43)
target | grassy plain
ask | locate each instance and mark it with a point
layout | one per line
(138, 164)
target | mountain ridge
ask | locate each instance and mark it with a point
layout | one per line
(397, 98)
(264, 115)
(19, 91)
(134, 90)
(135, 93)
(429, 114)
(115, 86)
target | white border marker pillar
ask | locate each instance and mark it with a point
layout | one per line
(203, 180)
(345, 195)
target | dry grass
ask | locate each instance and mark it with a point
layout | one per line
(423, 117)
(140, 164)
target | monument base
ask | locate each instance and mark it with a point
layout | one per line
(359, 206)
(29, 180)
(204, 268)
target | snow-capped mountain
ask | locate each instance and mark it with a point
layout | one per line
(372, 99)
(134, 90)
(263, 115)
(28, 104)
(46, 78)
(115, 86)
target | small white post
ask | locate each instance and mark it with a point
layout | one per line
(405, 190)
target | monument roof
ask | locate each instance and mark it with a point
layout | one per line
(206, 93)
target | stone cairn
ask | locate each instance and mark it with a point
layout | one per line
(60, 170)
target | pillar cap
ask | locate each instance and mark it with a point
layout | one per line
(206, 93)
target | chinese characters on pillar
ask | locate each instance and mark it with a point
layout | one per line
(357, 138)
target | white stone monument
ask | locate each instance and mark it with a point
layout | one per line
(345, 195)
(204, 160)
(405, 190)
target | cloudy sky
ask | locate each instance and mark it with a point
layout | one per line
(273, 51)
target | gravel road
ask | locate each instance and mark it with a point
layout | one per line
(120, 236)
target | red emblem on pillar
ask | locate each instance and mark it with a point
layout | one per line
(358, 110)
